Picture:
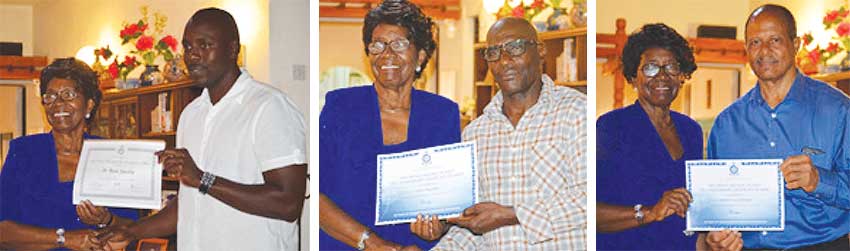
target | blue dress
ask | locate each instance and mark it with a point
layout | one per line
(634, 167)
(350, 139)
(30, 191)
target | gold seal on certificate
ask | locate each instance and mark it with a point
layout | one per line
(120, 173)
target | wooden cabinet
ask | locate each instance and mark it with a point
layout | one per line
(127, 114)
(485, 88)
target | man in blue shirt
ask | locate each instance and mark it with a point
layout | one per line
(790, 116)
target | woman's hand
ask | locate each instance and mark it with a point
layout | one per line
(428, 228)
(93, 215)
(725, 240)
(673, 201)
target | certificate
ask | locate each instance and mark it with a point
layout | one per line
(743, 195)
(120, 173)
(439, 180)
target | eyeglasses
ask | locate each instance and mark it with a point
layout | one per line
(66, 94)
(377, 47)
(514, 48)
(651, 70)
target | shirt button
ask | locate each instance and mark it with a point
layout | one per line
(772, 144)
(773, 115)
(764, 233)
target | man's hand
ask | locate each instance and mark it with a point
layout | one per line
(673, 201)
(178, 162)
(725, 240)
(376, 243)
(114, 238)
(91, 214)
(486, 216)
(428, 228)
(799, 172)
(80, 240)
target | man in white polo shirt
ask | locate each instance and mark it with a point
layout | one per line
(240, 156)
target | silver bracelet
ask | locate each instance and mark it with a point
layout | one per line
(361, 244)
(639, 214)
(207, 180)
(60, 237)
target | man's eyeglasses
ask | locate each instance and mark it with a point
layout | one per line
(514, 48)
(66, 94)
(651, 70)
(398, 46)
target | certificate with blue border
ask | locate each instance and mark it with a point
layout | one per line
(743, 195)
(120, 173)
(439, 180)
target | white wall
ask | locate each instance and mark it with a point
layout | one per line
(16, 25)
(289, 41)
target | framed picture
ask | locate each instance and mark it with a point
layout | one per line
(152, 244)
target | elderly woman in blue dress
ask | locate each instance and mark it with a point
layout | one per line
(389, 116)
(642, 148)
(37, 179)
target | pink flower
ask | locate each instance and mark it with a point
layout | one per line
(830, 17)
(843, 29)
(113, 69)
(129, 61)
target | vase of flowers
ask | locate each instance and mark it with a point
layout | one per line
(147, 47)
(119, 71)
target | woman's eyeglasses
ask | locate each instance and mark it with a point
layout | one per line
(67, 95)
(514, 48)
(377, 47)
(651, 70)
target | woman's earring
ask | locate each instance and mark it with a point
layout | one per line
(88, 115)
(418, 68)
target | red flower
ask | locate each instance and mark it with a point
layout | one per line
(129, 30)
(807, 38)
(843, 29)
(814, 55)
(113, 69)
(830, 17)
(142, 27)
(170, 41)
(144, 43)
(833, 48)
(518, 11)
(129, 61)
(538, 4)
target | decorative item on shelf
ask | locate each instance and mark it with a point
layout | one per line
(147, 47)
(814, 60)
(104, 76)
(119, 71)
(175, 69)
(559, 19)
(521, 10)
(578, 13)
(151, 75)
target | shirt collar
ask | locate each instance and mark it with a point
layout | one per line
(545, 97)
(236, 91)
(797, 92)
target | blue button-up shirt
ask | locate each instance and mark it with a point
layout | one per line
(813, 115)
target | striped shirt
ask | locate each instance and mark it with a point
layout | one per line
(537, 167)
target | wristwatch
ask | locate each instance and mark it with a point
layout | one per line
(639, 214)
(361, 244)
(60, 237)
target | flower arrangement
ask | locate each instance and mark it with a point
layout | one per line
(521, 10)
(145, 44)
(121, 70)
(833, 20)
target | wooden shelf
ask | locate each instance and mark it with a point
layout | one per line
(159, 134)
(832, 77)
(115, 93)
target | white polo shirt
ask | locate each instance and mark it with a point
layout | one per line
(254, 128)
